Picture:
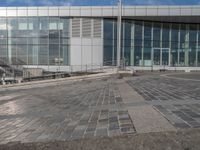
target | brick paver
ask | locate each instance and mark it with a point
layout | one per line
(94, 107)
(63, 111)
(177, 100)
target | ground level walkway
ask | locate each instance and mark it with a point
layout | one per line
(106, 108)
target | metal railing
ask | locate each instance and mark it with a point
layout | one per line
(14, 73)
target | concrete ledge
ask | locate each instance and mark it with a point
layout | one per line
(180, 140)
(60, 80)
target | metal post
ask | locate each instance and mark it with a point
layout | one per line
(119, 33)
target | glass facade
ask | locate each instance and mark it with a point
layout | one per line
(34, 40)
(110, 42)
(146, 43)
(45, 41)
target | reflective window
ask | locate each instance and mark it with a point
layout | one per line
(127, 41)
(174, 45)
(165, 35)
(22, 24)
(156, 35)
(109, 41)
(192, 45)
(25, 40)
(138, 43)
(147, 43)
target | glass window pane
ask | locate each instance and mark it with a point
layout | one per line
(44, 23)
(156, 34)
(165, 35)
(43, 55)
(64, 27)
(192, 44)
(22, 23)
(108, 42)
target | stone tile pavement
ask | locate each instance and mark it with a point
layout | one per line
(177, 100)
(84, 109)
(97, 108)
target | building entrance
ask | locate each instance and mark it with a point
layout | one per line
(160, 56)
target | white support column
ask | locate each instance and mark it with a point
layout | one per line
(179, 39)
(119, 33)
(197, 46)
(143, 44)
(9, 42)
(161, 28)
(152, 28)
(113, 44)
(123, 40)
(132, 43)
(170, 44)
(187, 39)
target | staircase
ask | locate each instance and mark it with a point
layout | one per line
(10, 71)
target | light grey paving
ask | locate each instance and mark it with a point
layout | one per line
(177, 100)
(62, 111)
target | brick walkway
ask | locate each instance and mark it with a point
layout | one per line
(177, 100)
(97, 108)
(64, 111)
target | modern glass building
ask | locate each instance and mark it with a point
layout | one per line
(71, 38)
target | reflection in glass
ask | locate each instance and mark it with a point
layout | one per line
(26, 40)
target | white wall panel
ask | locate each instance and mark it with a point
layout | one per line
(186, 11)
(86, 55)
(152, 11)
(32, 12)
(22, 12)
(64, 12)
(107, 11)
(163, 11)
(86, 11)
(86, 41)
(75, 53)
(96, 11)
(2, 12)
(195, 11)
(115, 11)
(97, 41)
(175, 11)
(43, 12)
(97, 55)
(102, 11)
(141, 11)
(75, 41)
(53, 12)
(75, 11)
(12, 12)
(128, 12)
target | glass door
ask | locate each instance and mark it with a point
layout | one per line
(156, 56)
(165, 56)
(160, 56)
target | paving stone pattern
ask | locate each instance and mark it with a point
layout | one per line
(64, 111)
(177, 100)
(93, 108)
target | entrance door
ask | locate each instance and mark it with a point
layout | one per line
(160, 56)
(165, 56)
(156, 56)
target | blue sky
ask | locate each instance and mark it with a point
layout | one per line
(94, 2)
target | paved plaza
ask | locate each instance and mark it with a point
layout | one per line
(176, 97)
(103, 107)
